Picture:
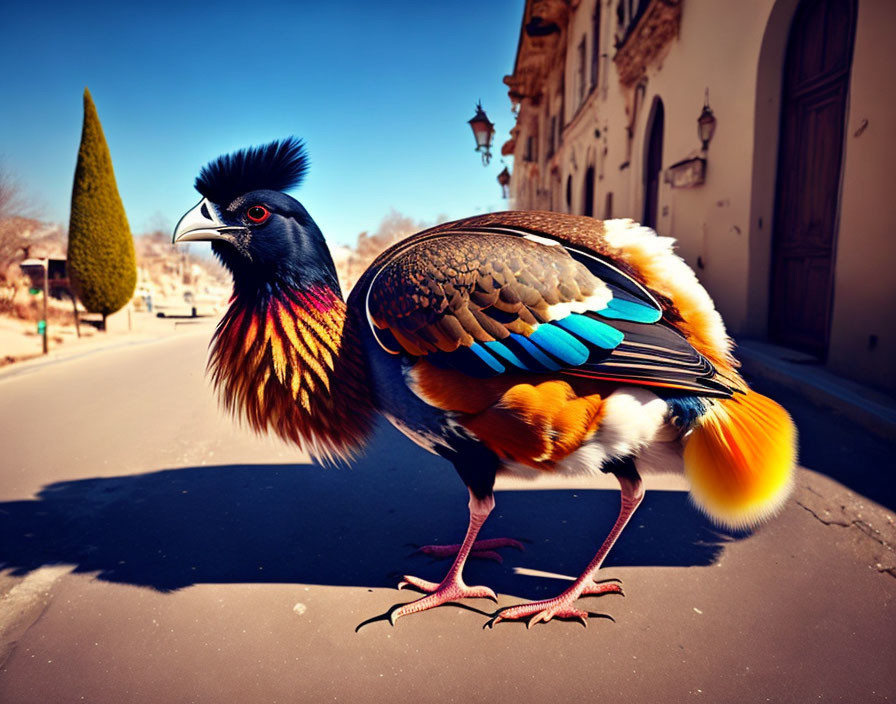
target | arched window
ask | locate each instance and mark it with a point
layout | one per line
(653, 164)
(588, 200)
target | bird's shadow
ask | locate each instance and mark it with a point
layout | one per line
(308, 524)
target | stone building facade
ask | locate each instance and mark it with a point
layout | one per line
(783, 215)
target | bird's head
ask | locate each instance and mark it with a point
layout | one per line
(262, 235)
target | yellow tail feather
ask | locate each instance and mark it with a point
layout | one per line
(739, 459)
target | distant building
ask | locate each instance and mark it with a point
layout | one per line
(57, 275)
(785, 216)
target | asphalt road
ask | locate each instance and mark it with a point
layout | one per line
(153, 551)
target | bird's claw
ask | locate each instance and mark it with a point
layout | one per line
(540, 613)
(421, 584)
(437, 595)
(558, 607)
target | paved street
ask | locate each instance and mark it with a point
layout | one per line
(153, 551)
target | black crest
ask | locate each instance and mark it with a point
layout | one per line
(277, 166)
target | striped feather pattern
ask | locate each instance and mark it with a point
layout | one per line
(645, 263)
(488, 297)
(289, 364)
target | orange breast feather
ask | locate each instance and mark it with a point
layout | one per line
(524, 418)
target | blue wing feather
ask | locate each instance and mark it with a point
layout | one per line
(591, 330)
(498, 348)
(475, 361)
(486, 357)
(538, 360)
(632, 311)
(571, 342)
(560, 344)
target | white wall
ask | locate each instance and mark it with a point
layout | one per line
(737, 50)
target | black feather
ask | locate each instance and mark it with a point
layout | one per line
(277, 166)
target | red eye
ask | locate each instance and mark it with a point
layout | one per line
(258, 213)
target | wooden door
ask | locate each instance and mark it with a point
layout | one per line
(653, 164)
(816, 81)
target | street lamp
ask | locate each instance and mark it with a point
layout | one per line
(706, 123)
(483, 131)
(504, 181)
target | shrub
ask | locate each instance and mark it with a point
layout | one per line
(102, 266)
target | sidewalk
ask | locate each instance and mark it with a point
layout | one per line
(20, 343)
(870, 409)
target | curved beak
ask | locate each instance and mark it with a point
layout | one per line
(202, 224)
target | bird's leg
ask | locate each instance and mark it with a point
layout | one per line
(452, 587)
(632, 493)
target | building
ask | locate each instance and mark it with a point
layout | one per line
(781, 214)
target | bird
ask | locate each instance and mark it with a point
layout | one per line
(520, 342)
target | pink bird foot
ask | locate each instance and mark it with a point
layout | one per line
(541, 611)
(452, 586)
(483, 549)
(562, 605)
(452, 589)
(559, 607)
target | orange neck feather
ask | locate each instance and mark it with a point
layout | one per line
(289, 363)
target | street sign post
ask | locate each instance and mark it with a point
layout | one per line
(38, 271)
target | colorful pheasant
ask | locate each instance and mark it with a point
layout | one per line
(526, 342)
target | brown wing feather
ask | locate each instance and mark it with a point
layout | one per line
(440, 292)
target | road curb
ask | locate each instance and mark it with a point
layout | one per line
(80, 351)
(867, 407)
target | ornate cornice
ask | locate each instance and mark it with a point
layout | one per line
(655, 30)
(540, 47)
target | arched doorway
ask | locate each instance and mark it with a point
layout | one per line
(653, 164)
(810, 151)
(589, 193)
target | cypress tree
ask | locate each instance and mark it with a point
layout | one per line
(102, 266)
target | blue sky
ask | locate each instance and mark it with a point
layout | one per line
(380, 91)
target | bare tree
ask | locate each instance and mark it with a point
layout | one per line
(393, 227)
(158, 258)
(12, 205)
(12, 200)
(19, 232)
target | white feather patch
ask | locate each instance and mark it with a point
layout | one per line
(596, 301)
(541, 240)
(631, 420)
(633, 423)
(669, 274)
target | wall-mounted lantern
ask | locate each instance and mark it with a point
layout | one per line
(691, 172)
(504, 181)
(706, 123)
(483, 131)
